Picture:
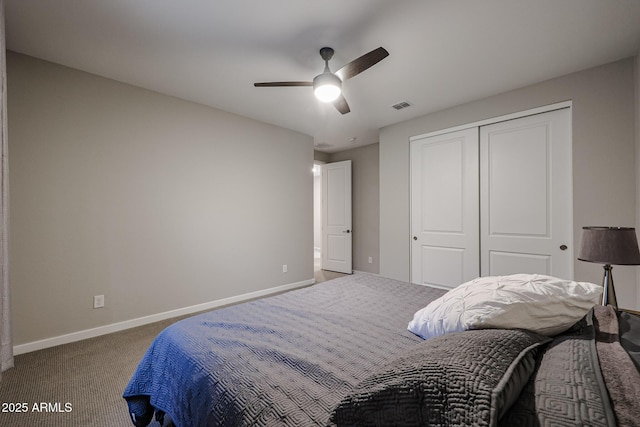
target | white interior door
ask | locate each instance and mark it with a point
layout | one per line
(445, 209)
(525, 196)
(336, 217)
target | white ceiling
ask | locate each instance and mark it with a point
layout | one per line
(442, 52)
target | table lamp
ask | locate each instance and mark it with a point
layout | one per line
(609, 245)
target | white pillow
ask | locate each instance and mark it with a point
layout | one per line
(543, 304)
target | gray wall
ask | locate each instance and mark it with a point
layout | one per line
(637, 76)
(321, 156)
(603, 161)
(155, 202)
(365, 184)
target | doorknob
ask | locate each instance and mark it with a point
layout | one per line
(415, 237)
(563, 247)
(346, 231)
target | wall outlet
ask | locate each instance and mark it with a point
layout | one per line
(284, 268)
(370, 260)
(98, 301)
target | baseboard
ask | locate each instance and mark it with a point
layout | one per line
(366, 272)
(120, 326)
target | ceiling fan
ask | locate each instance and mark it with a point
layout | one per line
(328, 86)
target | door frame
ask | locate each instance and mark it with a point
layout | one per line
(478, 124)
(497, 119)
(317, 207)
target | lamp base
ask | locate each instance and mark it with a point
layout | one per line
(608, 292)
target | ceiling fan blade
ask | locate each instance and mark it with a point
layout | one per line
(341, 104)
(357, 66)
(280, 84)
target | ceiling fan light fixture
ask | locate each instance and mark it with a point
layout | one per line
(327, 87)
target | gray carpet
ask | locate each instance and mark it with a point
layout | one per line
(79, 384)
(89, 375)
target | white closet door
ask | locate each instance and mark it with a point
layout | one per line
(525, 196)
(444, 211)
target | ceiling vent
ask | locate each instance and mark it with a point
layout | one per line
(401, 105)
(323, 145)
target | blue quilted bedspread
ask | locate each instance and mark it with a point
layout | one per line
(286, 360)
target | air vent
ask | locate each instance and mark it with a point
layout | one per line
(401, 105)
(323, 145)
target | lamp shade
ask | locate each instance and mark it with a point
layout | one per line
(609, 245)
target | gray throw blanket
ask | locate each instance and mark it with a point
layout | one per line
(619, 372)
(567, 387)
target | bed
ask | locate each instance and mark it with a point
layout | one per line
(339, 354)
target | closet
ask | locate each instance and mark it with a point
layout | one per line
(493, 198)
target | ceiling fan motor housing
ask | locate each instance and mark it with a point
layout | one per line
(326, 53)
